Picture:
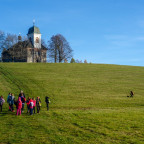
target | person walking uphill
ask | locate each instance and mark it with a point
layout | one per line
(19, 106)
(47, 100)
(10, 101)
(38, 104)
(1, 103)
(131, 94)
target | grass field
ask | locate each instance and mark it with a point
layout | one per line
(89, 104)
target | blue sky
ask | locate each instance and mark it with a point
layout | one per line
(100, 31)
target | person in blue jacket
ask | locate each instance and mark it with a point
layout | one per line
(10, 101)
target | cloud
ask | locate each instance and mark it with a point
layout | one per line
(123, 40)
(139, 38)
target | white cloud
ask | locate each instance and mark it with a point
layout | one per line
(123, 40)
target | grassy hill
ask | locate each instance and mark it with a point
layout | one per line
(89, 104)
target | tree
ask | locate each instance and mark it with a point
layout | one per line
(65, 61)
(79, 61)
(72, 60)
(2, 41)
(85, 61)
(10, 40)
(59, 49)
(43, 42)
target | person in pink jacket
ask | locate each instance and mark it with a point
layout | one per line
(34, 102)
(19, 106)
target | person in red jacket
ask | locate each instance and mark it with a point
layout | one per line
(19, 106)
(31, 104)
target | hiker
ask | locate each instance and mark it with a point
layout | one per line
(23, 99)
(21, 93)
(131, 94)
(10, 101)
(1, 103)
(38, 104)
(31, 106)
(34, 102)
(18, 106)
(47, 100)
(27, 102)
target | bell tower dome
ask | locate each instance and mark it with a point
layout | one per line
(34, 36)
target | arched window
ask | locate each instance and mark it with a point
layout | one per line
(37, 40)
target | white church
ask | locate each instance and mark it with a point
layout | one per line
(29, 51)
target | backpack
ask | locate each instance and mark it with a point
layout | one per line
(31, 104)
(39, 103)
(1, 101)
(10, 99)
(23, 99)
(47, 100)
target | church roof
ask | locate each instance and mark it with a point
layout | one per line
(34, 29)
(23, 45)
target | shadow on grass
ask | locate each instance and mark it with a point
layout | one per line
(3, 113)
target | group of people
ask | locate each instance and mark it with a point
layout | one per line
(32, 103)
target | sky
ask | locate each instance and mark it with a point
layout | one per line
(100, 31)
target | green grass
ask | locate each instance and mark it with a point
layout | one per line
(89, 104)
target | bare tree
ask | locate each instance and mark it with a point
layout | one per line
(43, 43)
(59, 49)
(10, 40)
(85, 61)
(2, 41)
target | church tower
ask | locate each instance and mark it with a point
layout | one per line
(30, 50)
(34, 36)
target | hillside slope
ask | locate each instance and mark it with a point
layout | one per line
(89, 103)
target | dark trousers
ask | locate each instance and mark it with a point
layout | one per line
(47, 105)
(0, 108)
(22, 106)
(31, 111)
(34, 109)
(38, 109)
(11, 107)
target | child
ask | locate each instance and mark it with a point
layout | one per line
(31, 106)
(1, 102)
(38, 104)
(10, 101)
(23, 99)
(47, 102)
(27, 102)
(19, 106)
(34, 102)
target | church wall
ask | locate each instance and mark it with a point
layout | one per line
(30, 55)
